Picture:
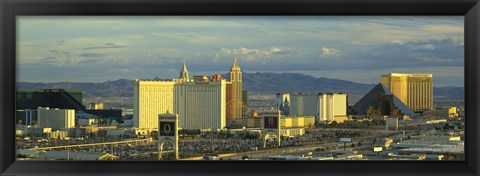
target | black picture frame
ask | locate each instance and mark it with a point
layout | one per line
(11, 8)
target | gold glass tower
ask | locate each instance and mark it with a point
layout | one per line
(414, 90)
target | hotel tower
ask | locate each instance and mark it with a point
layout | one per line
(234, 92)
(201, 103)
(414, 90)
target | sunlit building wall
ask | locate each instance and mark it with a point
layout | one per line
(291, 132)
(151, 97)
(414, 90)
(452, 112)
(282, 97)
(201, 105)
(285, 122)
(397, 84)
(229, 101)
(200, 102)
(333, 107)
(96, 106)
(297, 121)
(234, 97)
(57, 119)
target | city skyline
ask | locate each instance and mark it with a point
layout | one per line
(96, 49)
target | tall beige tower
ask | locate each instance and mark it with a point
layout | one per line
(236, 91)
(414, 90)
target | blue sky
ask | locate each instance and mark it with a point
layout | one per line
(360, 49)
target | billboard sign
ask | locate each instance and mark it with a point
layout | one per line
(270, 122)
(345, 139)
(167, 129)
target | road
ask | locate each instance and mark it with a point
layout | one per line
(310, 147)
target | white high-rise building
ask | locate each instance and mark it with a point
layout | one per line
(199, 102)
(326, 107)
(333, 107)
(57, 119)
(304, 104)
(201, 105)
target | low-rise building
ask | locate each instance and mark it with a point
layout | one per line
(291, 132)
(38, 131)
(56, 135)
(452, 112)
(87, 121)
(83, 131)
(391, 123)
(285, 122)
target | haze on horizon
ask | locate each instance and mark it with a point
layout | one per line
(358, 49)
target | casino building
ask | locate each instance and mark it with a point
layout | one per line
(201, 102)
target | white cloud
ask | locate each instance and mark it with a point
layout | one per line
(442, 28)
(328, 52)
(260, 43)
(428, 46)
(263, 55)
(457, 41)
(275, 50)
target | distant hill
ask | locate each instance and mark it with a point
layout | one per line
(294, 82)
(117, 88)
(449, 93)
(255, 83)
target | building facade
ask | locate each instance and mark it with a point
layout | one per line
(57, 119)
(150, 99)
(285, 122)
(304, 104)
(26, 117)
(96, 106)
(326, 107)
(201, 102)
(283, 102)
(53, 98)
(201, 105)
(234, 97)
(333, 107)
(244, 103)
(414, 90)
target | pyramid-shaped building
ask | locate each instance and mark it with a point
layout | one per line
(380, 101)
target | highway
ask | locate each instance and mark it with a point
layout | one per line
(135, 141)
(299, 150)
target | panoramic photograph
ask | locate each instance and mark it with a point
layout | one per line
(310, 88)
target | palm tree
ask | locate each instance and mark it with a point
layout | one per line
(154, 135)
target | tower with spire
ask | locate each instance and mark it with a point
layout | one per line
(236, 90)
(184, 72)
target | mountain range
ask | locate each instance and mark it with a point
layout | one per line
(254, 83)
